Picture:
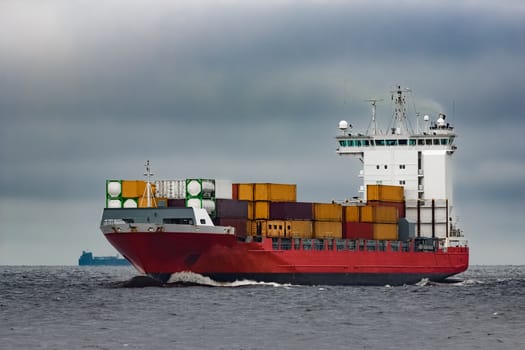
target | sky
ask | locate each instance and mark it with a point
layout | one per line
(249, 91)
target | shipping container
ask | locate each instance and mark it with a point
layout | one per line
(299, 228)
(207, 204)
(275, 228)
(235, 191)
(261, 210)
(385, 215)
(328, 229)
(230, 208)
(385, 232)
(351, 213)
(258, 227)
(385, 193)
(135, 188)
(245, 192)
(113, 188)
(223, 189)
(290, 211)
(275, 192)
(200, 188)
(240, 225)
(176, 203)
(327, 212)
(358, 230)
(401, 210)
(251, 210)
(171, 189)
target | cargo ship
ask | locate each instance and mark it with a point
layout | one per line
(88, 259)
(400, 228)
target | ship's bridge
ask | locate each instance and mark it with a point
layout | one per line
(357, 144)
(419, 160)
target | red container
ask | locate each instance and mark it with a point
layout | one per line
(290, 211)
(358, 230)
(239, 224)
(231, 208)
(399, 205)
(176, 203)
(235, 191)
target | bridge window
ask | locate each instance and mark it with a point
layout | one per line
(391, 142)
(380, 142)
(403, 142)
(428, 141)
(421, 142)
(367, 143)
(412, 142)
(436, 142)
(342, 143)
(444, 141)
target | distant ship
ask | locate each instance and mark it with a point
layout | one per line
(87, 259)
(400, 229)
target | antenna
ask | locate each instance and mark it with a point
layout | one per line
(372, 128)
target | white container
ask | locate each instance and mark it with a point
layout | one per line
(200, 187)
(223, 189)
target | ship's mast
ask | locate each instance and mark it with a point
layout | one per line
(399, 124)
(148, 192)
(372, 128)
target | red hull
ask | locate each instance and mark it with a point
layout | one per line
(222, 257)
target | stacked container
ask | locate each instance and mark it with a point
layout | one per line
(200, 193)
(232, 212)
(127, 194)
(327, 220)
(263, 218)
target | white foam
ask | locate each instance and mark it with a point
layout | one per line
(192, 277)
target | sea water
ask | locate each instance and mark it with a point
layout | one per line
(103, 308)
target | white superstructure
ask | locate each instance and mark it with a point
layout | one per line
(419, 160)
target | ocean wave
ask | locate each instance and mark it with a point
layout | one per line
(191, 278)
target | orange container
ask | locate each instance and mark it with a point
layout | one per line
(387, 193)
(328, 229)
(261, 210)
(351, 213)
(245, 192)
(299, 229)
(327, 212)
(275, 192)
(385, 232)
(384, 215)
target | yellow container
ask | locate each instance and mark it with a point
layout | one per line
(299, 229)
(257, 227)
(328, 229)
(387, 193)
(385, 232)
(245, 192)
(275, 192)
(261, 210)
(351, 213)
(383, 215)
(135, 188)
(275, 228)
(251, 210)
(327, 212)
